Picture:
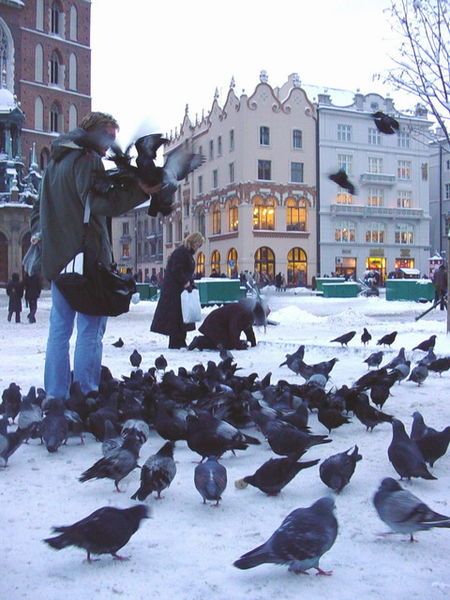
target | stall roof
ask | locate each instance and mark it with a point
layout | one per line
(410, 271)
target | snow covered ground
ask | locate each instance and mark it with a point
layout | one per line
(187, 549)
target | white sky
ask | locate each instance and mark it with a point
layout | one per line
(150, 59)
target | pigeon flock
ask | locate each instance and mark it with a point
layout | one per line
(214, 412)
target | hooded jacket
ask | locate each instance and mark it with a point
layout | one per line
(58, 213)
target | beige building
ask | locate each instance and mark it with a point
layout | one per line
(254, 198)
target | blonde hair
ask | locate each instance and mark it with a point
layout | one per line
(193, 238)
(97, 120)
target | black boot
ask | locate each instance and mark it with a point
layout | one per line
(194, 344)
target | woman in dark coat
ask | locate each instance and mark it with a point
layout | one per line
(224, 325)
(32, 293)
(14, 290)
(179, 276)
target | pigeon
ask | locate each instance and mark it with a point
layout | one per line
(344, 339)
(405, 455)
(403, 512)
(118, 344)
(298, 354)
(161, 363)
(9, 441)
(433, 445)
(388, 339)
(147, 147)
(428, 358)
(105, 531)
(440, 365)
(367, 414)
(300, 541)
(136, 427)
(54, 428)
(426, 345)
(365, 337)
(135, 359)
(343, 181)
(331, 418)
(286, 440)
(210, 479)
(117, 465)
(374, 360)
(400, 358)
(384, 123)
(112, 441)
(30, 418)
(401, 371)
(12, 399)
(418, 374)
(157, 473)
(418, 427)
(275, 474)
(380, 391)
(337, 470)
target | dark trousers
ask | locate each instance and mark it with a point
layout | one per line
(10, 314)
(32, 305)
(177, 340)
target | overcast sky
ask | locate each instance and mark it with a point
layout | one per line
(150, 59)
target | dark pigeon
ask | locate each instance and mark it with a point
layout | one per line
(135, 359)
(433, 445)
(385, 123)
(210, 479)
(54, 428)
(405, 455)
(331, 417)
(275, 474)
(403, 512)
(368, 414)
(157, 473)
(286, 440)
(9, 441)
(12, 399)
(105, 531)
(365, 337)
(374, 360)
(118, 344)
(345, 338)
(337, 470)
(388, 339)
(343, 181)
(426, 345)
(418, 427)
(161, 362)
(440, 365)
(300, 541)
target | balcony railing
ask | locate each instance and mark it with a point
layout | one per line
(377, 179)
(376, 211)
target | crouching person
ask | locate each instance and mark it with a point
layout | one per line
(222, 328)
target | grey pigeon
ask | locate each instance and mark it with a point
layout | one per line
(210, 479)
(117, 465)
(418, 427)
(428, 358)
(374, 360)
(111, 440)
(401, 371)
(30, 417)
(403, 512)
(418, 374)
(157, 473)
(9, 441)
(138, 428)
(400, 358)
(300, 541)
(54, 427)
(292, 359)
(105, 531)
(404, 454)
(337, 470)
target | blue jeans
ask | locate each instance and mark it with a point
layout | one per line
(88, 348)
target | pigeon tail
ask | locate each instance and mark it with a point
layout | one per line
(59, 542)
(254, 558)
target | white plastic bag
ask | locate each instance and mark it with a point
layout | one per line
(190, 306)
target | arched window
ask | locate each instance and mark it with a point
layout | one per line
(73, 72)
(215, 262)
(6, 57)
(44, 158)
(40, 15)
(297, 270)
(200, 269)
(73, 32)
(56, 118)
(265, 264)
(54, 69)
(169, 233)
(201, 225)
(179, 231)
(264, 214)
(39, 114)
(216, 220)
(38, 63)
(55, 19)
(233, 215)
(232, 263)
(73, 117)
(296, 214)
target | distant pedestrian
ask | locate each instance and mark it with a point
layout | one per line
(278, 282)
(440, 285)
(32, 292)
(14, 290)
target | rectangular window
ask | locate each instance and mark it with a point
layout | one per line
(375, 233)
(404, 199)
(126, 250)
(264, 136)
(231, 140)
(200, 184)
(215, 178)
(375, 197)
(403, 138)
(374, 136)
(404, 170)
(297, 138)
(169, 233)
(404, 234)
(211, 149)
(264, 169)
(125, 228)
(139, 249)
(343, 197)
(375, 164)
(344, 232)
(344, 133)
(297, 172)
(231, 172)
(186, 209)
(219, 146)
(447, 191)
(345, 162)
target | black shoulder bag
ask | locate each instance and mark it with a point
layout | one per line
(99, 291)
